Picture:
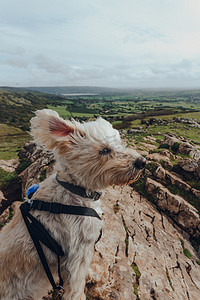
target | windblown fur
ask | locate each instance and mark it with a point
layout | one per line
(81, 159)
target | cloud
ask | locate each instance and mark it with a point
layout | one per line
(107, 42)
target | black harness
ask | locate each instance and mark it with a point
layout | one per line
(39, 234)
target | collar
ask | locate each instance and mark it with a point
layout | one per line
(78, 190)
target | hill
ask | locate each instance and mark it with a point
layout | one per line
(16, 108)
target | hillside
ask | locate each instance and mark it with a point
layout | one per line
(16, 108)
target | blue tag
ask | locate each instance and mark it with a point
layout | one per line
(33, 188)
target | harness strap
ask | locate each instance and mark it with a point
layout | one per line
(58, 208)
(39, 234)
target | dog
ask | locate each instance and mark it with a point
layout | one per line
(89, 155)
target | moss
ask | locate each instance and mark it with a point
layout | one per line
(23, 164)
(151, 167)
(127, 236)
(155, 151)
(185, 250)
(116, 207)
(198, 261)
(7, 178)
(11, 214)
(43, 174)
(175, 147)
(164, 146)
(169, 279)
(137, 277)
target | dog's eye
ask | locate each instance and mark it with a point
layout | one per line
(105, 151)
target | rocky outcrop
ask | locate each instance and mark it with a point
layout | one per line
(178, 144)
(39, 160)
(140, 255)
(9, 165)
(190, 166)
(180, 210)
(10, 188)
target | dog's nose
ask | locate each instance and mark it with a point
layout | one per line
(140, 163)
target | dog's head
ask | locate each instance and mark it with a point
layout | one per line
(89, 154)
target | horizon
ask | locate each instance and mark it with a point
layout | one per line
(103, 87)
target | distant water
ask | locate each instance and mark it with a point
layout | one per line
(80, 94)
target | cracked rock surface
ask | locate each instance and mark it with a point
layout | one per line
(140, 255)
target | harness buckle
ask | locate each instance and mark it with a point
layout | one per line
(95, 196)
(59, 291)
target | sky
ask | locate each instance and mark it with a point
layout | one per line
(111, 43)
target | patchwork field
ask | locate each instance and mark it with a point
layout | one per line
(126, 111)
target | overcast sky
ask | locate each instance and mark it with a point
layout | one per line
(117, 43)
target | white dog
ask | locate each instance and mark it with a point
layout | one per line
(89, 155)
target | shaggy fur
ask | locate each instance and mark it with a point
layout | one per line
(80, 159)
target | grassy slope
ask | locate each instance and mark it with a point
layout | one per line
(16, 110)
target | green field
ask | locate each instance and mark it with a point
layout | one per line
(123, 110)
(11, 141)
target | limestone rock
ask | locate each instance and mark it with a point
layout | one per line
(40, 159)
(9, 165)
(180, 210)
(170, 140)
(185, 148)
(196, 192)
(157, 157)
(191, 166)
(140, 253)
(160, 173)
(177, 181)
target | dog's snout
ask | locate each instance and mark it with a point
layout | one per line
(140, 163)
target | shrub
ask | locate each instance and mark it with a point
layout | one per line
(7, 178)
(175, 147)
(165, 146)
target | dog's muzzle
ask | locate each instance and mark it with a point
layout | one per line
(140, 163)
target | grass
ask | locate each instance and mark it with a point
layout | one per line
(7, 178)
(169, 279)
(116, 207)
(185, 250)
(23, 164)
(137, 277)
(61, 110)
(127, 236)
(11, 141)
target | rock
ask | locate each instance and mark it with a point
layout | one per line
(7, 214)
(195, 154)
(196, 193)
(40, 162)
(185, 148)
(147, 241)
(177, 181)
(150, 138)
(167, 164)
(9, 165)
(4, 217)
(180, 210)
(157, 157)
(148, 146)
(170, 140)
(190, 166)
(160, 173)
(167, 153)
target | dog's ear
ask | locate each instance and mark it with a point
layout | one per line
(49, 130)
